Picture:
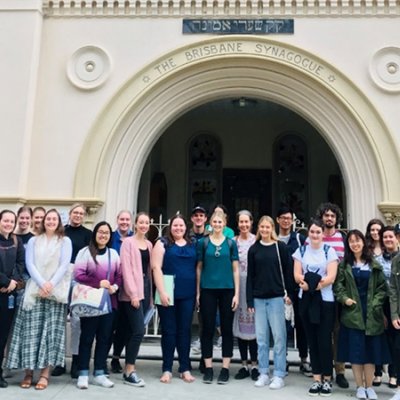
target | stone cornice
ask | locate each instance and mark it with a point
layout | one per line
(221, 8)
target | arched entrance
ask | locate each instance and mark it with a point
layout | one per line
(121, 140)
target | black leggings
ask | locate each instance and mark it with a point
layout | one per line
(6, 319)
(319, 338)
(210, 301)
(248, 345)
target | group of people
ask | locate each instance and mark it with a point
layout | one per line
(340, 291)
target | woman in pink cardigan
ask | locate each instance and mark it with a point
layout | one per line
(135, 295)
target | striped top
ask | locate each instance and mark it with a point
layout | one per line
(335, 241)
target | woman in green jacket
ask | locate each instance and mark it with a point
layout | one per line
(361, 288)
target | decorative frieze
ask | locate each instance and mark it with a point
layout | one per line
(391, 212)
(250, 8)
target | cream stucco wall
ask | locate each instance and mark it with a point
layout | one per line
(65, 141)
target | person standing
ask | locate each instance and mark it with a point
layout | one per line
(38, 339)
(175, 255)
(360, 287)
(135, 296)
(331, 216)
(12, 266)
(97, 266)
(268, 287)
(390, 246)
(394, 298)
(243, 321)
(294, 240)
(217, 288)
(372, 236)
(80, 238)
(24, 224)
(38, 214)
(199, 219)
(315, 268)
(119, 339)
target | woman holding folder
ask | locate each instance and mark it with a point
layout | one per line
(174, 270)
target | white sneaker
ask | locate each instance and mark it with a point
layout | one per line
(102, 380)
(83, 382)
(361, 393)
(396, 396)
(277, 383)
(371, 394)
(196, 346)
(262, 380)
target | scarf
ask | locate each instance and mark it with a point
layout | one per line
(46, 257)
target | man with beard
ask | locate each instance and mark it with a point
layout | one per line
(331, 215)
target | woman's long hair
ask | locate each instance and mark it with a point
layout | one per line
(366, 254)
(267, 218)
(60, 228)
(368, 237)
(93, 246)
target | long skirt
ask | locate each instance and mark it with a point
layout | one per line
(38, 338)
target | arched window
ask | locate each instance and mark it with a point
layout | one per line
(290, 175)
(204, 170)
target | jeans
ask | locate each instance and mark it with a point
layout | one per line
(101, 329)
(176, 327)
(270, 313)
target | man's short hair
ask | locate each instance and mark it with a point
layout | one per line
(284, 210)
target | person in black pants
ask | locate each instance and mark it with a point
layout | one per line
(12, 265)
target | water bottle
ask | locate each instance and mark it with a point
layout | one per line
(11, 301)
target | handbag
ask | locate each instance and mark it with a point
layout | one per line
(289, 310)
(87, 301)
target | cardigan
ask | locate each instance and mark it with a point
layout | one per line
(132, 270)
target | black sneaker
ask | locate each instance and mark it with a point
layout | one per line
(223, 376)
(305, 369)
(315, 388)
(243, 373)
(116, 367)
(326, 389)
(202, 367)
(342, 381)
(133, 380)
(208, 375)
(58, 371)
(3, 382)
(254, 374)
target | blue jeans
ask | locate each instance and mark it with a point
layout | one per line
(270, 313)
(176, 327)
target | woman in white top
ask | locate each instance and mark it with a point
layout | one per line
(315, 268)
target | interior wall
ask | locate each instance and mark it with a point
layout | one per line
(247, 135)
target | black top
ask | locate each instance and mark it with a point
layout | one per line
(145, 261)
(264, 279)
(25, 237)
(12, 260)
(80, 238)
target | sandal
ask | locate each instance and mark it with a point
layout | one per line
(377, 381)
(392, 382)
(27, 381)
(43, 382)
(166, 377)
(187, 377)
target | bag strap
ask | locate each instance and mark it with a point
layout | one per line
(280, 267)
(109, 264)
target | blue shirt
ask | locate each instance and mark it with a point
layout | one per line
(116, 240)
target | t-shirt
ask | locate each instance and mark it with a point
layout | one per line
(335, 241)
(315, 260)
(217, 270)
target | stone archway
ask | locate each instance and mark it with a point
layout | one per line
(238, 66)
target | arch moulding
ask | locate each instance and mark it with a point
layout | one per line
(124, 133)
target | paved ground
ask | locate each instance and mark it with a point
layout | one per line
(63, 388)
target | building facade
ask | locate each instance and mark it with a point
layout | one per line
(112, 104)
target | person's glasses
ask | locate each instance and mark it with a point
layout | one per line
(103, 233)
(217, 251)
